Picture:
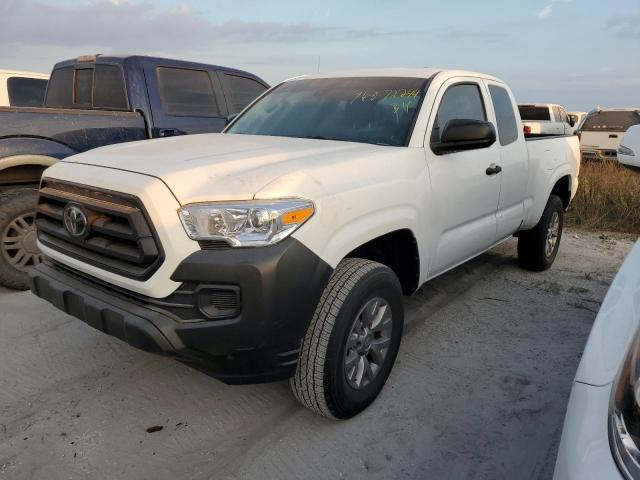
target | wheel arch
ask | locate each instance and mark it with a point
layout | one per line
(398, 250)
(562, 189)
(23, 169)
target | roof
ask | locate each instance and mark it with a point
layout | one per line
(396, 72)
(120, 58)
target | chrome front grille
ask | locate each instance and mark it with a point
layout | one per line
(118, 236)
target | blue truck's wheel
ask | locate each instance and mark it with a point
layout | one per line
(18, 249)
(352, 341)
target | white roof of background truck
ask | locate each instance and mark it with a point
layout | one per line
(397, 72)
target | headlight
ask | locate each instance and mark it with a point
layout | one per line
(625, 151)
(624, 421)
(245, 224)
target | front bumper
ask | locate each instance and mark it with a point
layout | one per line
(630, 161)
(584, 451)
(279, 287)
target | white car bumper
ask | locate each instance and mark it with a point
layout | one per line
(629, 160)
(584, 451)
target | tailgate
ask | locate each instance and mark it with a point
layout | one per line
(600, 140)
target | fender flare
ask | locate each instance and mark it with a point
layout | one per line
(22, 160)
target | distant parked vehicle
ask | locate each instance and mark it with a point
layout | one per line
(601, 434)
(22, 89)
(578, 118)
(602, 131)
(101, 100)
(545, 119)
(629, 149)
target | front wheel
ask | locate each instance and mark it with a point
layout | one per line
(18, 249)
(351, 344)
(538, 247)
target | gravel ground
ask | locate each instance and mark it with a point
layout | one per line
(479, 389)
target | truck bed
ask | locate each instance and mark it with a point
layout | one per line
(79, 130)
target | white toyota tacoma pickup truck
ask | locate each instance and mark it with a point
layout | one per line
(282, 247)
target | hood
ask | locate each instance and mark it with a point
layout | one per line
(615, 326)
(218, 167)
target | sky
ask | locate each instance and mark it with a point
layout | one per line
(578, 53)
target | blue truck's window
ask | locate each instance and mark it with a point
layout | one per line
(460, 102)
(26, 92)
(82, 87)
(241, 91)
(109, 90)
(60, 88)
(186, 92)
(505, 116)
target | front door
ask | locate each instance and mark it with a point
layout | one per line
(465, 197)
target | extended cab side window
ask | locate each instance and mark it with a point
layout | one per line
(505, 116)
(460, 102)
(240, 91)
(186, 92)
(556, 114)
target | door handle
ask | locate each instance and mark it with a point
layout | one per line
(168, 132)
(493, 169)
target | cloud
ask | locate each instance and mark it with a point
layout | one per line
(477, 36)
(126, 25)
(546, 11)
(627, 26)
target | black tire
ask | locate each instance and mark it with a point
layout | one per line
(534, 253)
(321, 382)
(18, 252)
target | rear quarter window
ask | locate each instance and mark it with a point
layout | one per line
(505, 115)
(26, 92)
(185, 92)
(240, 91)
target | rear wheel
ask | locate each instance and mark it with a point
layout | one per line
(18, 249)
(352, 341)
(538, 247)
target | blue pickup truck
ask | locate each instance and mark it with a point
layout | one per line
(100, 100)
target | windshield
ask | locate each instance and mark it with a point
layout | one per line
(377, 110)
(534, 113)
(612, 121)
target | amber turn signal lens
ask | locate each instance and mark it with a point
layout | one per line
(297, 216)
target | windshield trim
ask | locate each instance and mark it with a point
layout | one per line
(424, 87)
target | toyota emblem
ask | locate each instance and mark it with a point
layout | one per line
(75, 220)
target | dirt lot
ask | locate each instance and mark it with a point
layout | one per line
(479, 389)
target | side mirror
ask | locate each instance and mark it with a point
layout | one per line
(464, 134)
(572, 120)
(230, 118)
